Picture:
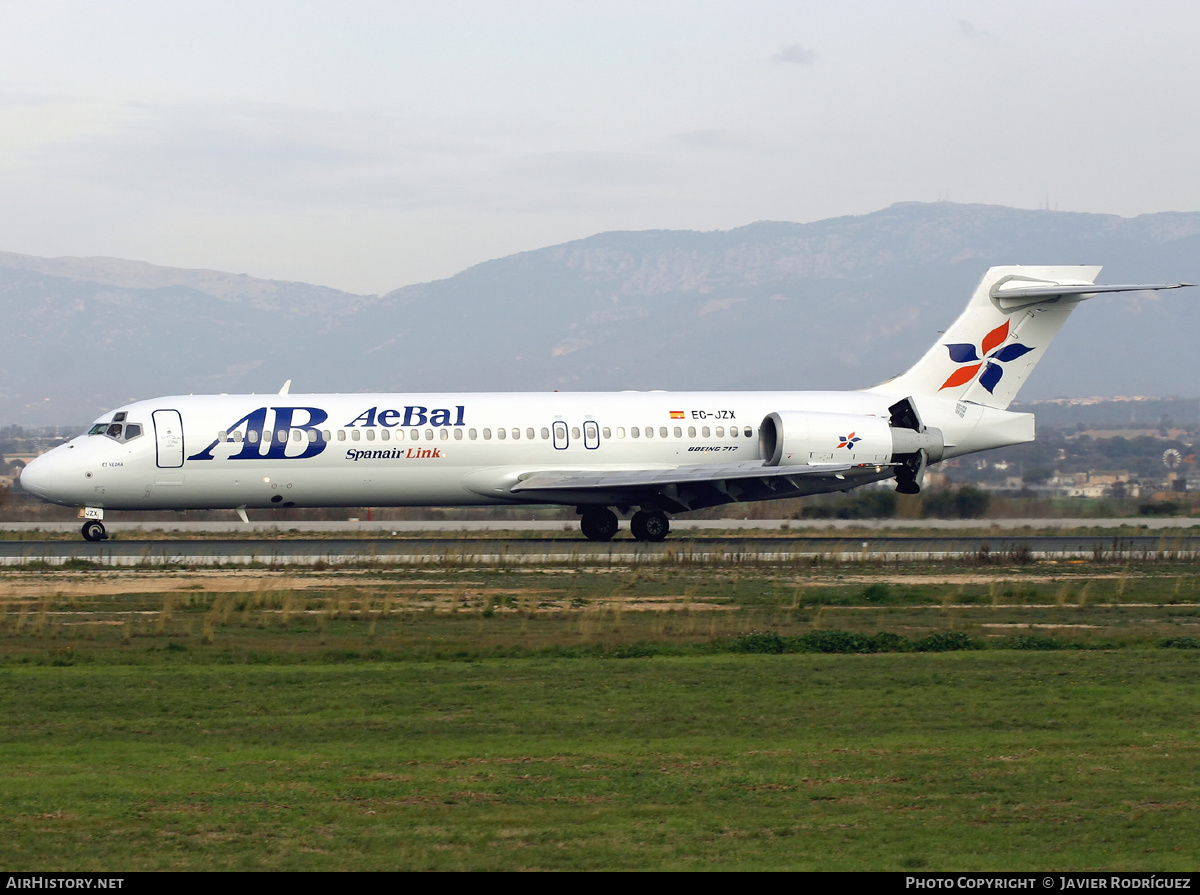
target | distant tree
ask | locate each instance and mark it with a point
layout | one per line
(967, 502)
(971, 503)
(874, 503)
(1038, 475)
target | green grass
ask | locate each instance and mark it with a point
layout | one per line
(950, 761)
(469, 719)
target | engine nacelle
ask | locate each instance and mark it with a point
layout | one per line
(798, 438)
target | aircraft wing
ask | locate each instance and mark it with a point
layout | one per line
(695, 486)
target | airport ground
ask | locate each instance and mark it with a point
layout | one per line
(970, 712)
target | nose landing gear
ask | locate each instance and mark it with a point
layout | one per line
(93, 530)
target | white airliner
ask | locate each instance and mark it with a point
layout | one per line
(661, 452)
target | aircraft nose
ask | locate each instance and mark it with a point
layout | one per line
(35, 477)
(43, 477)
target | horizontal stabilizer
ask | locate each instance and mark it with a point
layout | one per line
(1017, 293)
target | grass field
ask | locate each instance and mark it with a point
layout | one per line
(600, 718)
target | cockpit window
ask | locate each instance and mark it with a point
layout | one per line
(116, 430)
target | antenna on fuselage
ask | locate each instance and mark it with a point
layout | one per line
(286, 387)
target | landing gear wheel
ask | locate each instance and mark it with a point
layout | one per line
(94, 531)
(649, 526)
(599, 525)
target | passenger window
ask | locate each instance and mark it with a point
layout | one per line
(415, 434)
(634, 432)
(370, 435)
(399, 434)
(620, 431)
(545, 434)
(720, 431)
(529, 433)
(649, 432)
(575, 432)
(705, 431)
(733, 433)
(487, 434)
(222, 436)
(516, 434)
(691, 431)
(385, 435)
(472, 434)
(312, 435)
(607, 432)
(501, 434)
(458, 434)
(341, 434)
(355, 434)
(445, 433)
(749, 432)
(326, 436)
(662, 431)
(429, 435)
(252, 436)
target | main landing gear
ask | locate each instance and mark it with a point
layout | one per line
(93, 530)
(650, 525)
(600, 524)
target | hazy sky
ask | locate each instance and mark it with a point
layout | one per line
(367, 146)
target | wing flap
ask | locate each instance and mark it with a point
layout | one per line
(659, 478)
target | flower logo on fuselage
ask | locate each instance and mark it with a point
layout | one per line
(966, 353)
(849, 441)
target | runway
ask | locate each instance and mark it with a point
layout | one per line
(574, 550)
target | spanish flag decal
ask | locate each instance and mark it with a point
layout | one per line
(676, 414)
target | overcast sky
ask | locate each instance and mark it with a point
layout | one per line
(368, 146)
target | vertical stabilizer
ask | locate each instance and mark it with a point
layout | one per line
(993, 346)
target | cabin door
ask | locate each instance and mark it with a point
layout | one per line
(561, 440)
(168, 436)
(591, 435)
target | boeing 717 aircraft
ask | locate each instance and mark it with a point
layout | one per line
(647, 453)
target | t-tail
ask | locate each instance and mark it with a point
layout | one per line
(993, 346)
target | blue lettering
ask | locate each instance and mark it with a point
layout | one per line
(439, 417)
(389, 418)
(367, 417)
(255, 421)
(415, 416)
(255, 440)
(284, 423)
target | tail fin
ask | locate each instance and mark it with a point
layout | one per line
(991, 349)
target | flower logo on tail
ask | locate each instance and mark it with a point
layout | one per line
(965, 353)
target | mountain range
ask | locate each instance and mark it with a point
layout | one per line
(838, 303)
